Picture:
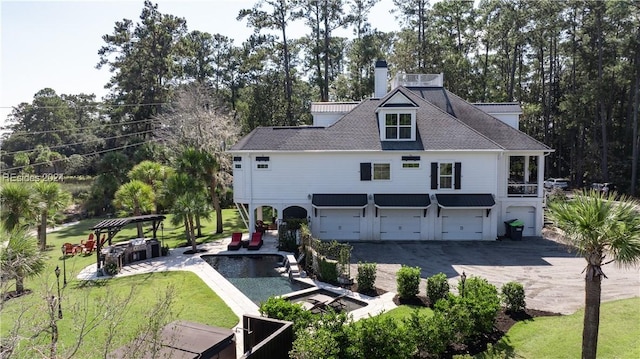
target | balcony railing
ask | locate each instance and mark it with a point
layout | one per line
(522, 190)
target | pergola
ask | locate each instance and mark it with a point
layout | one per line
(112, 226)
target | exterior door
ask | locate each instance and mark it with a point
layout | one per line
(462, 224)
(339, 224)
(400, 224)
(526, 214)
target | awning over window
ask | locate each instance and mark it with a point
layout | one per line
(403, 200)
(339, 200)
(482, 200)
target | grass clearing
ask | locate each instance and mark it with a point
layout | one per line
(561, 337)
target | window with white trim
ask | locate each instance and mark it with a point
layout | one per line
(410, 161)
(411, 165)
(397, 126)
(445, 174)
(262, 162)
(381, 171)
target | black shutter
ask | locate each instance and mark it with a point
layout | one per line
(365, 171)
(457, 172)
(434, 175)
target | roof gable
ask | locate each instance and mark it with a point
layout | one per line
(397, 99)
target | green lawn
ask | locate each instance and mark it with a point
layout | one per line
(561, 336)
(193, 299)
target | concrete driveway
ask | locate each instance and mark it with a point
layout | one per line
(550, 272)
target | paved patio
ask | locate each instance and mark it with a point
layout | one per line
(549, 271)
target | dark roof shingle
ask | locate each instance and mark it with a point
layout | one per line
(444, 122)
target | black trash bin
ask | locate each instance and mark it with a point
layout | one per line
(514, 229)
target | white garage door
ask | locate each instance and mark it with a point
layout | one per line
(462, 224)
(526, 214)
(339, 224)
(400, 224)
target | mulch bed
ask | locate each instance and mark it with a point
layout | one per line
(504, 322)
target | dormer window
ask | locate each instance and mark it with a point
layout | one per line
(398, 126)
(397, 118)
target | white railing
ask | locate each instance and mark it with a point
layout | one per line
(522, 190)
(418, 80)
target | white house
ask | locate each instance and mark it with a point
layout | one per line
(413, 163)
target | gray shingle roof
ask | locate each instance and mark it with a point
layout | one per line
(444, 122)
(506, 136)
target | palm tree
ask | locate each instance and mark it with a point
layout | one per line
(191, 162)
(135, 198)
(203, 166)
(152, 173)
(50, 199)
(211, 168)
(190, 202)
(602, 230)
(16, 205)
(19, 256)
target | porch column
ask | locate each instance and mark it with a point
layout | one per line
(541, 175)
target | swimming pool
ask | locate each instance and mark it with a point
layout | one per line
(256, 276)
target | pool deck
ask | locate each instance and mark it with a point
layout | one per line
(236, 300)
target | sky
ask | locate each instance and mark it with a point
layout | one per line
(55, 43)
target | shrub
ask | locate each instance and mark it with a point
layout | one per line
(379, 337)
(111, 268)
(481, 299)
(408, 281)
(366, 277)
(326, 337)
(287, 240)
(328, 270)
(513, 297)
(457, 317)
(430, 334)
(437, 287)
(283, 309)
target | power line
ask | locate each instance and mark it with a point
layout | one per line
(93, 104)
(85, 155)
(81, 143)
(22, 133)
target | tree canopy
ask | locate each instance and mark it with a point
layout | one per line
(572, 65)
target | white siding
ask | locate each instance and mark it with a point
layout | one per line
(292, 179)
(294, 176)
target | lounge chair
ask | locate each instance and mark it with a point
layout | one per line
(69, 248)
(236, 242)
(82, 242)
(256, 241)
(88, 246)
(320, 302)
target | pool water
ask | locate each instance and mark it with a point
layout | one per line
(256, 276)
